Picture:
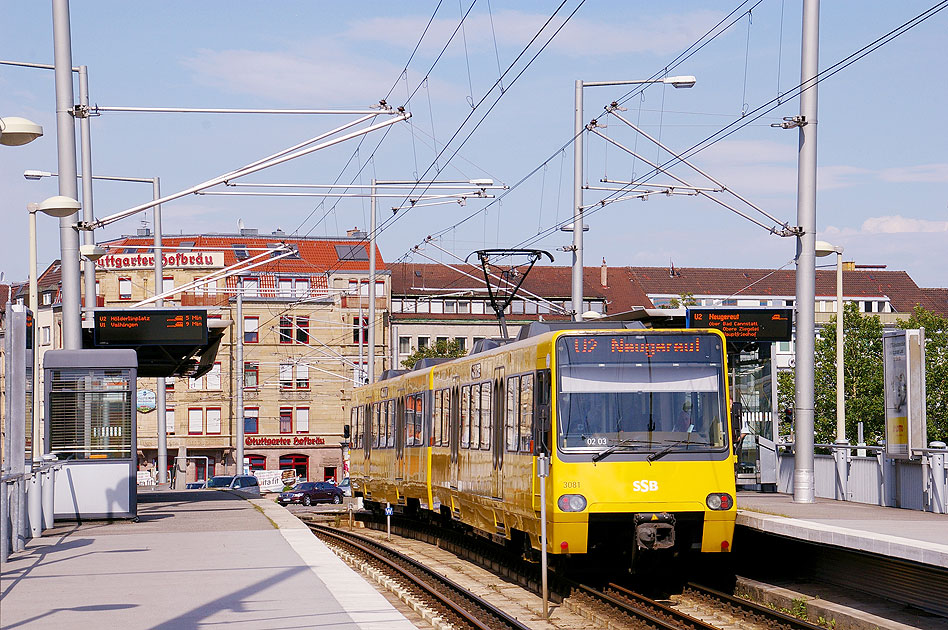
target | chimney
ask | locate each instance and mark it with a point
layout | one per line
(245, 231)
(604, 274)
(355, 233)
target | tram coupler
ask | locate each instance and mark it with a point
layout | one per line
(655, 530)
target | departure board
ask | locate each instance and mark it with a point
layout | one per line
(745, 324)
(130, 328)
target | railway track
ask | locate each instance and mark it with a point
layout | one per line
(615, 606)
(456, 606)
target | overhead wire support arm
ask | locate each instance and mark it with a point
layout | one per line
(273, 160)
(613, 109)
(770, 229)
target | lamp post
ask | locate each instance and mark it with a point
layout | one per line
(16, 131)
(58, 206)
(577, 227)
(825, 249)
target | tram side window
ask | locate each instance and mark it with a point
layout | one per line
(466, 416)
(513, 408)
(379, 438)
(413, 418)
(441, 410)
(390, 443)
(485, 415)
(354, 422)
(526, 413)
(542, 412)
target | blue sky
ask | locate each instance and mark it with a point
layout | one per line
(883, 170)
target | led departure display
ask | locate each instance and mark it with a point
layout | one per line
(623, 348)
(130, 328)
(745, 324)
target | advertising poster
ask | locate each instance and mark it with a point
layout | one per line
(904, 382)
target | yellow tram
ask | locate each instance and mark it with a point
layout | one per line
(635, 421)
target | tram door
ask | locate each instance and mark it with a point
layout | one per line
(454, 431)
(497, 437)
(400, 465)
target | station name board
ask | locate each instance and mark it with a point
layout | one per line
(131, 328)
(745, 324)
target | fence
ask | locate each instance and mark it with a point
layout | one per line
(916, 484)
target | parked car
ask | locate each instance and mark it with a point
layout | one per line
(309, 492)
(244, 484)
(346, 487)
(197, 485)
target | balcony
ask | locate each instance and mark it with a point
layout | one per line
(204, 299)
(355, 301)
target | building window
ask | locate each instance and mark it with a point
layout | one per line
(169, 384)
(214, 378)
(251, 287)
(360, 373)
(299, 464)
(450, 306)
(251, 375)
(285, 287)
(404, 345)
(125, 288)
(422, 342)
(286, 329)
(250, 329)
(240, 251)
(302, 420)
(214, 421)
(167, 284)
(462, 343)
(195, 421)
(257, 462)
(46, 335)
(169, 421)
(47, 298)
(302, 330)
(356, 328)
(286, 420)
(302, 288)
(286, 376)
(302, 376)
(251, 420)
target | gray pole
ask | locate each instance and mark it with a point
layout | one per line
(803, 475)
(161, 404)
(239, 446)
(577, 289)
(371, 290)
(35, 489)
(88, 237)
(840, 376)
(66, 143)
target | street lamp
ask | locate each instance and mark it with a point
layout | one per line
(825, 249)
(16, 131)
(577, 283)
(58, 206)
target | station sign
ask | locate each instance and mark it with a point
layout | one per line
(150, 327)
(745, 324)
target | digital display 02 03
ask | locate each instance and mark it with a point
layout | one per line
(664, 347)
(150, 327)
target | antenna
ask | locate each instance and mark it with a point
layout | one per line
(240, 225)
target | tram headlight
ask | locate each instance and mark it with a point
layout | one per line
(720, 501)
(572, 503)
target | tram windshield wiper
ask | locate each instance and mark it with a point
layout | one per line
(609, 450)
(670, 446)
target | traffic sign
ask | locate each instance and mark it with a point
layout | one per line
(389, 511)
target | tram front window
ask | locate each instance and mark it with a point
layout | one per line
(640, 393)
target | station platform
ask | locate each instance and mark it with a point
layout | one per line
(195, 559)
(912, 535)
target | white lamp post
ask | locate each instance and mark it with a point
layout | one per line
(58, 206)
(16, 131)
(825, 249)
(577, 283)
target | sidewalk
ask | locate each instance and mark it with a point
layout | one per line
(196, 559)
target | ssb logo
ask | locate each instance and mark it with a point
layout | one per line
(644, 485)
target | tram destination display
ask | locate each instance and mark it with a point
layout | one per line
(745, 324)
(131, 328)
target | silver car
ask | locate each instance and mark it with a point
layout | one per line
(244, 484)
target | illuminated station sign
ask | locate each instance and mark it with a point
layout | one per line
(745, 324)
(129, 328)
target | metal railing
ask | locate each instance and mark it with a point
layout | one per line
(863, 474)
(16, 524)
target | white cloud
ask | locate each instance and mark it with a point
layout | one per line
(322, 77)
(927, 173)
(580, 37)
(901, 225)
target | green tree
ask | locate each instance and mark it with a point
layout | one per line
(862, 377)
(683, 299)
(786, 392)
(936, 369)
(441, 348)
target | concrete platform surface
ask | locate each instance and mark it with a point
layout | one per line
(196, 559)
(906, 534)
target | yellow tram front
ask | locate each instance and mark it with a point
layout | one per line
(642, 457)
